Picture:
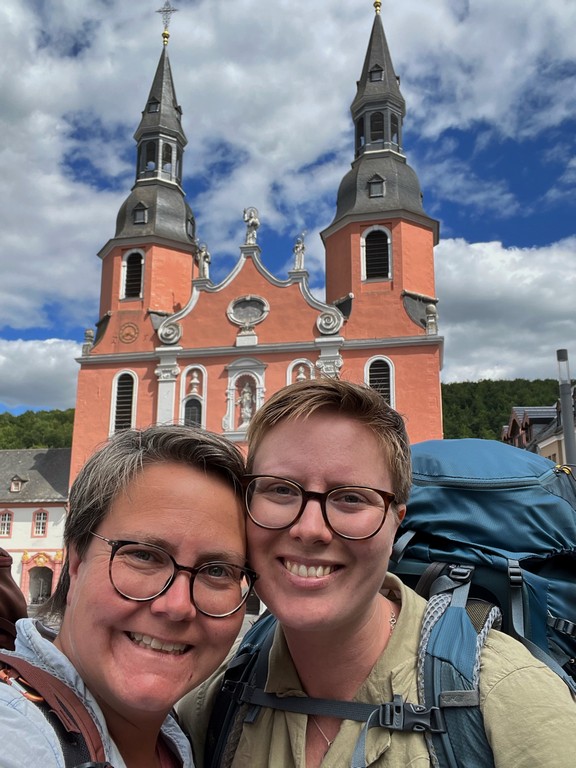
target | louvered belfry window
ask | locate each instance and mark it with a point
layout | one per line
(377, 126)
(379, 379)
(377, 256)
(133, 278)
(124, 401)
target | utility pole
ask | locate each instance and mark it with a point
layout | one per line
(566, 406)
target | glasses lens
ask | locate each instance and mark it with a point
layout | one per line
(220, 589)
(356, 513)
(140, 571)
(273, 502)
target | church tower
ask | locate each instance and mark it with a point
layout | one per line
(147, 270)
(173, 346)
(380, 257)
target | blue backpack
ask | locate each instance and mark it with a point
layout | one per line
(490, 539)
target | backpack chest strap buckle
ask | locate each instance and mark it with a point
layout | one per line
(400, 715)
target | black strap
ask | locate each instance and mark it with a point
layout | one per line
(250, 663)
(396, 715)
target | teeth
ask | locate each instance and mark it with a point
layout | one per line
(146, 641)
(308, 572)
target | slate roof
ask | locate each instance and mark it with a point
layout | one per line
(45, 472)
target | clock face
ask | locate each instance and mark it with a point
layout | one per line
(248, 310)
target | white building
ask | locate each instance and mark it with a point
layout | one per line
(33, 496)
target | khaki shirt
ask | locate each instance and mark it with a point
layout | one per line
(529, 714)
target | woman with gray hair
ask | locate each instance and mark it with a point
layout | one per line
(149, 601)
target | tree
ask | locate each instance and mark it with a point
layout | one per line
(36, 429)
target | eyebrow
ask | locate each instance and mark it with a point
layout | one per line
(228, 556)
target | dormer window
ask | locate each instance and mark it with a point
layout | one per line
(15, 485)
(376, 74)
(376, 186)
(140, 214)
(154, 106)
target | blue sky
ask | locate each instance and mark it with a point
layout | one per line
(265, 90)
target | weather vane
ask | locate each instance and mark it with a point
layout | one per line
(167, 10)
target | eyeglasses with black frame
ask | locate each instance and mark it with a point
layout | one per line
(350, 511)
(143, 572)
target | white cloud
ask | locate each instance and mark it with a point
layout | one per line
(265, 89)
(38, 374)
(505, 311)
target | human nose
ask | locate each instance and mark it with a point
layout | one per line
(176, 603)
(311, 524)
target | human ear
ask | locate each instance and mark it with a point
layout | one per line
(73, 562)
(400, 512)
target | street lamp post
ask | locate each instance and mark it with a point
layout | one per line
(566, 406)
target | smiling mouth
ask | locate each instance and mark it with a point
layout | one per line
(308, 571)
(154, 644)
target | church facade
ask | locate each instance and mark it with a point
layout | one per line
(173, 346)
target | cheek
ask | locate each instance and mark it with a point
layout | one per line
(258, 544)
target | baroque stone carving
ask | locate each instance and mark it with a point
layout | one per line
(329, 323)
(299, 251)
(128, 333)
(252, 224)
(170, 333)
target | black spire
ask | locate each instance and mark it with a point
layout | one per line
(380, 179)
(156, 205)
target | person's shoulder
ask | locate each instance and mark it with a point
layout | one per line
(26, 736)
(505, 662)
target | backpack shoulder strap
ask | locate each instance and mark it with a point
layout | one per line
(242, 695)
(249, 665)
(76, 730)
(454, 631)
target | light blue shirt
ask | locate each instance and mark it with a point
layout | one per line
(28, 739)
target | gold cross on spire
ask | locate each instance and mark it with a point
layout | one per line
(377, 5)
(167, 10)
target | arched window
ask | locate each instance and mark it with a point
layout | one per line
(193, 412)
(167, 158)
(150, 156)
(377, 255)
(124, 402)
(377, 126)
(133, 276)
(394, 129)
(193, 396)
(360, 135)
(379, 378)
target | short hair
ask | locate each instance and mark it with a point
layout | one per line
(112, 468)
(355, 401)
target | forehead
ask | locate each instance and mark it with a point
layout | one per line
(177, 502)
(325, 442)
